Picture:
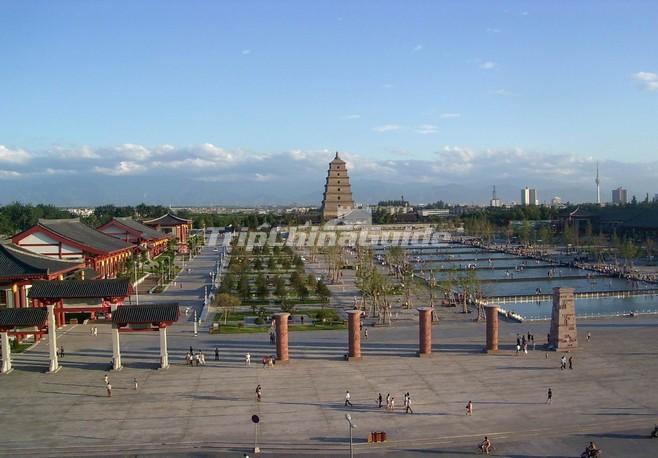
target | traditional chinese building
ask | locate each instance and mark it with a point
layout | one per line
(19, 268)
(337, 198)
(70, 239)
(130, 231)
(174, 225)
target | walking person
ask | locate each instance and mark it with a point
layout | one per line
(191, 350)
(109, 390)
(570, 362)
(563, 363)
(348, 398)
(259, 393)
(106, 379)
(247, 359)
(469, 408)
(589, 336)
(549, 398)
(388, 401)
(379, 400)
(135, 384)
(216, 354)
(365, 333)
(408, 404)
(61, 352)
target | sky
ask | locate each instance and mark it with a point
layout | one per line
(443, 99)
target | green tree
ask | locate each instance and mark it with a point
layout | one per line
(227, 302)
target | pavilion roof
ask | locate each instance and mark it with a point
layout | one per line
(168, 220)
(147, 233)
(150, 313)
(80, 289)
(17, 262)
(23, 317)
(73, 229)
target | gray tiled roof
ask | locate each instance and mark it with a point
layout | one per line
(168, 220)
(75, 230)
(148, 233)
(79, 289)
(19, 317)
(17, 262)
(151, 313)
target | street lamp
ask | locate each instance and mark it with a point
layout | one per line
(348, 417)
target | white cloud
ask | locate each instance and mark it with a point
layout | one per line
(352, 116)
(122, 168)
(387, 86)
(14, 156)
(82, 152)
(450, 115)
(427, 129)
(503, 93)
(387, 128)
(647, 80)
(493, 30)
(8, 174)
(417, 48)
(488, 65)
(246, 52)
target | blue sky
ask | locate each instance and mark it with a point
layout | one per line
(380, 80)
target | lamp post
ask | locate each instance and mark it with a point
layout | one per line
(195, 325)
(348, 417)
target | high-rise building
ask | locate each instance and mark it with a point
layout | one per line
(529, 196)
(337, 198)
(495, 201)
(619, 196)
(598, 185)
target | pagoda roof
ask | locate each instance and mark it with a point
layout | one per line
(80, 289)
(168, 220)
(146, 232)
(17, 262)
(22, 317)
(337, 159)
(141, 314)
(74, 230)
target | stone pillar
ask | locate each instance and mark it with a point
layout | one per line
(425, 331)
(564, 335)
(116, 345)
(354, 334)
(6, 353)
(52, 339)
(164, 353)
(492, 327)
(282, 336)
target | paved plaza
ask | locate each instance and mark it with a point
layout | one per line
(609, 397)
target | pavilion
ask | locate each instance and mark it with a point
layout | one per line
(75, 296)
(174, 225)
(20, 268)
(70, 239)
(146, 238)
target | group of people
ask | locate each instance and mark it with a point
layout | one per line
(563, 362)
(522, 343)
(199, 358)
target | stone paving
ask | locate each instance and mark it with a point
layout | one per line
(609, 397)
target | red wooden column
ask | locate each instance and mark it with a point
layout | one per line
(354, 334)
(425, 331)
(492, 327)
(282, 336)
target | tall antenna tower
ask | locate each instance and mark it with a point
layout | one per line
(598, 185)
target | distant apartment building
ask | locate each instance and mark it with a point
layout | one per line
(443, 212)
(495, 201)
(529, 196)
(619, 196)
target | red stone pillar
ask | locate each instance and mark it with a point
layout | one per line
(425, 331)
(354, 334)
(282, 336)
(492, 327)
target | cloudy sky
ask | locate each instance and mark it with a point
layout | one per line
(199, 102)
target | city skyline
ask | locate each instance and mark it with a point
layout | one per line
(219, 93)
